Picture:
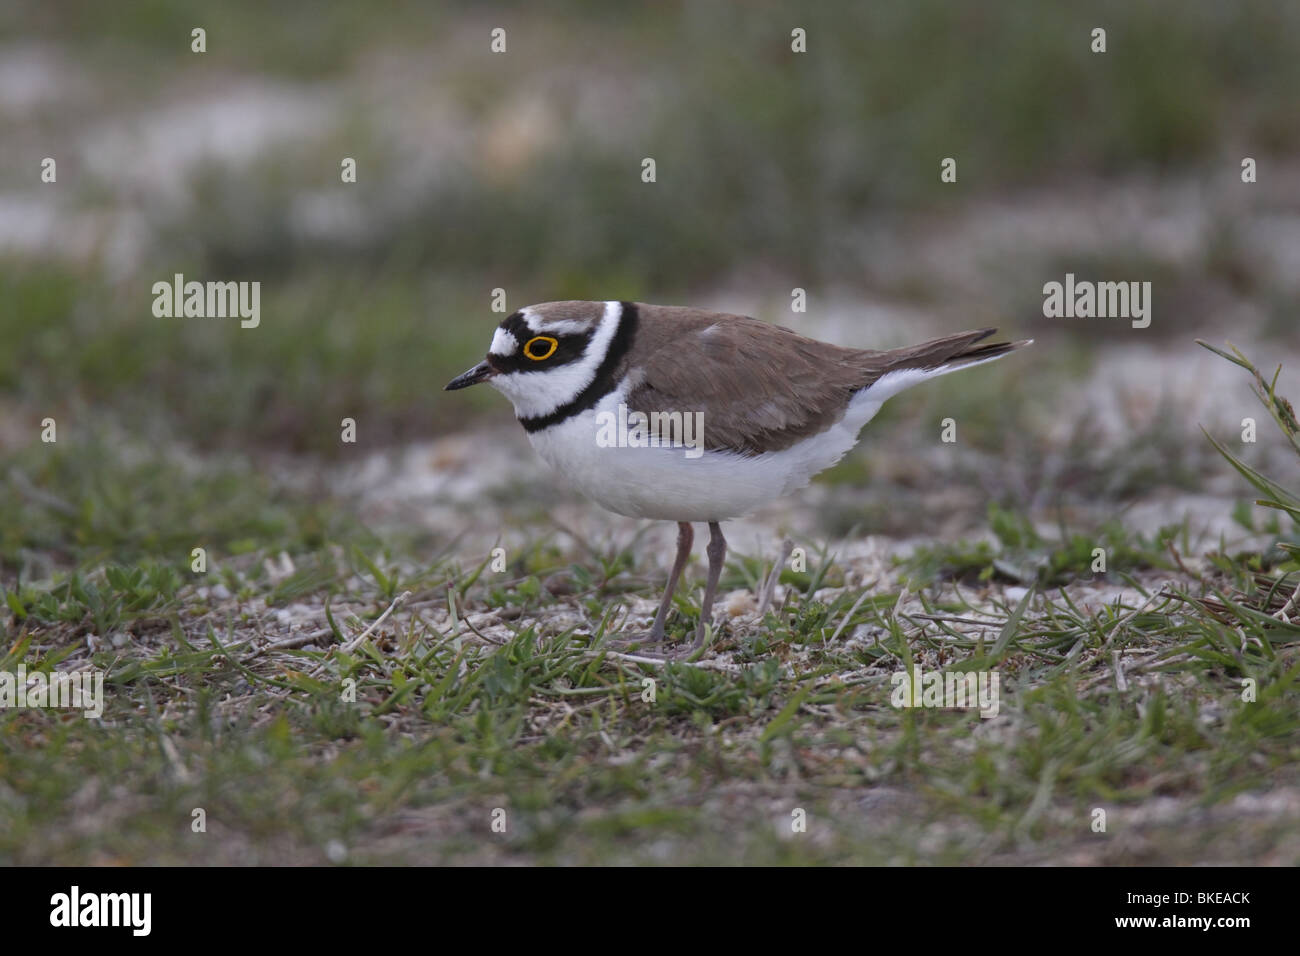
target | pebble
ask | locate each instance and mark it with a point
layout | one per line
(559, 584)
(740, 604)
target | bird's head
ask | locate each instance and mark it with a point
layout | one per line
(543, 356)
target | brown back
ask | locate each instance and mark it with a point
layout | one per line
(763, 387)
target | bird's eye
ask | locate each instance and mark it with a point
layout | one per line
(541, 347)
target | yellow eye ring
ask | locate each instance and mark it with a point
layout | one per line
(546, 340)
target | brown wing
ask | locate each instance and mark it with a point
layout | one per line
(762, 387)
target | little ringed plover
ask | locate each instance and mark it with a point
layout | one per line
(685, 415)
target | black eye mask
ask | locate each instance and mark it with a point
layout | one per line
(567, 348)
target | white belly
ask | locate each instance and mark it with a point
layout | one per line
(664, 484)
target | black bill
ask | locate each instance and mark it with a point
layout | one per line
(479, 373)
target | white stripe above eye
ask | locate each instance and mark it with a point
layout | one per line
(560, 326)
(536, 394)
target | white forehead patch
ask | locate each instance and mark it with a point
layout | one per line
(503, 343)
(544, 326)
(562, 326)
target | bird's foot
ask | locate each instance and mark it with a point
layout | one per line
(655, 643)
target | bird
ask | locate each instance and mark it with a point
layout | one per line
(670, 413)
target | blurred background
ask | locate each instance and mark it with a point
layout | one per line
(521, 171)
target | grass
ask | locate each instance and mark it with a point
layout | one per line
(108, 498)
(1276, 496)
(485, 691)
(328, 348)
(1020, 553)
(244, 691)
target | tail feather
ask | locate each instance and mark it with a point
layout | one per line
(899, 369)
(949, 352)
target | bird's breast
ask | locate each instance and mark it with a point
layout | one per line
(610, 465)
